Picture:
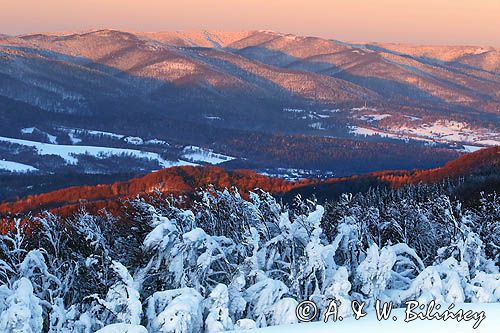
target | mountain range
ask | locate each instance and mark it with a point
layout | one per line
(117, 104)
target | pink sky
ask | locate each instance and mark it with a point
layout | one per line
(413, 21)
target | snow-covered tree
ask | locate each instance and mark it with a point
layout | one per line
(175, 311)
(219, 261)
(217, 304)
(21, 309)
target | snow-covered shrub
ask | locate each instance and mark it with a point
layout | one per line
(217, 305)
(175, 311)
(222, 262)
(122, 303)
(22, 312)
(262, 298)
(374, 272)
(245, 324)
(284, 312)
(338, 290)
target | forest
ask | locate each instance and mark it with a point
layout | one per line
(225, 262)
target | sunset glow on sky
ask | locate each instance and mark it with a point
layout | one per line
(424, 21)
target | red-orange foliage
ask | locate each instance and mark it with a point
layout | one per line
(176, 180)
(184, 180)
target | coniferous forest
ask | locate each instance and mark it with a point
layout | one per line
(223, 261)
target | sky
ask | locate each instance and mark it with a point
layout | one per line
(462, 22)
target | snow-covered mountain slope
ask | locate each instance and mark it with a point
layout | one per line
(352, 73)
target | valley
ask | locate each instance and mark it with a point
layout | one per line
(110, 102)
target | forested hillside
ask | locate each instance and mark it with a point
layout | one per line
(476, 172)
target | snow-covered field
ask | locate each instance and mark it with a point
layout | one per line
(16, 167)
(372, 325)
(374, 117)
(70, 152)
(440, 131)
(356, 130)
(75, 135)
(363, 108)
(31, 130)
(471, 149)
(202, 155)
(452, 131)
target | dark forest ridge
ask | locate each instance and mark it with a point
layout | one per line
(186, 180)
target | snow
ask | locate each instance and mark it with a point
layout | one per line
(470, 149)
(444, 131)
(123, 295)
(198, 154)
(24, 312)
(284, 312)
(374, 117)
(123, 328)
(213, 118)
(364, 108)
(372, 325)
(295, 174)
(16, 167)
(245, 324)
(488, 142)
(28, 130)
(195, 235)
(75, 132)
(413, 118)
(175, 311)
(134, 140)
(74, 139)
(317, 125)
(112, 135)
(31, 130)
(439, 131)
(52, 138)
(224, 263)
(160, 235)
(157, 142)
(451, 131)
(218, 319)
(369, 132)
(69, 152)
(293, 110)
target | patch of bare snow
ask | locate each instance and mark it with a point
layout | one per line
(16, 167)
(374, 117)
(198, 154)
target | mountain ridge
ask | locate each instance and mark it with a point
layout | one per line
(185, 180)
(397, 106)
